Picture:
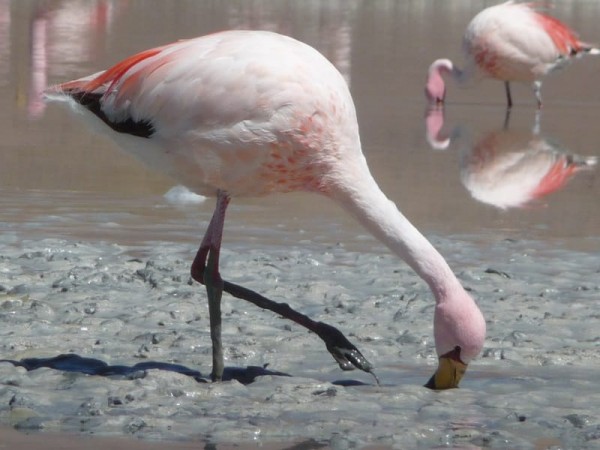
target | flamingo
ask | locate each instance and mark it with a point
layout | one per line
(509, 42)
(510, 169)
(250, 113)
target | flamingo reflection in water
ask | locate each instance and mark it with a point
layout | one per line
(506, 168)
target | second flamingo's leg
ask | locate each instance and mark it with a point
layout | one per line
(509, 102)
(206, 271)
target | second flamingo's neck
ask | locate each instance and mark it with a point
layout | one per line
(368, 204)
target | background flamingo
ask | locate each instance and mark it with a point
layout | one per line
(509, 42)
(249, 113)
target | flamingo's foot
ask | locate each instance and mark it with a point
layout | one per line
(343, 351)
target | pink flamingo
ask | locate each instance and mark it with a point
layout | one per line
(249, 113)
(509, 169)
(510, 42)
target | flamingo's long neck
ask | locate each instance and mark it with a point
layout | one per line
(363, 199)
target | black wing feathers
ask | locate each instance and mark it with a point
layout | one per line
(92, 102)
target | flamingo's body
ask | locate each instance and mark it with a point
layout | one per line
(510, 42)
(243, 113)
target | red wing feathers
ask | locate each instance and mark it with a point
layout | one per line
(564, 38)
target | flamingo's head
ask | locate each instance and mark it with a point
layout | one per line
(435, 89)
(459, 331)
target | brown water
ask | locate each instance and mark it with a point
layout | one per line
(58, 179)
(51, 166)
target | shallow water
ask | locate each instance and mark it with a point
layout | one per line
(84, 227)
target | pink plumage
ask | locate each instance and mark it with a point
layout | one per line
(510, 42)
(249, 113)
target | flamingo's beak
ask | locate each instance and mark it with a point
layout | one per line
(449, 372)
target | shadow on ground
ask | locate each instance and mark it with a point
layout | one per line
(72, 362)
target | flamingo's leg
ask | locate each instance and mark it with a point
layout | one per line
(343, 351)
(537, 91)
(509, 102)
(214, 291)
(207, 272)
(506, 119)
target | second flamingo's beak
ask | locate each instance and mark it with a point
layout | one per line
(449, 372)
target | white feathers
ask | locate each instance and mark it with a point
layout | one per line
(180, 195)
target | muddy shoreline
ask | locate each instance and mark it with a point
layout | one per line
(100, 301)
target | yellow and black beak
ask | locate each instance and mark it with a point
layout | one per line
(449, 372)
